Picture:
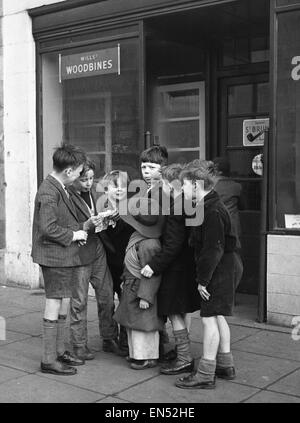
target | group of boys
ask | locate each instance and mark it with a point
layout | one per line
(71, 255)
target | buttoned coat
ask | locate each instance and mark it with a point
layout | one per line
(54, 221)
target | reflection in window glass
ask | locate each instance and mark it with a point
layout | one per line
(182, 157)
(263, 97)
(98, 113)
(235, 132)
(241, 162)
(184, 103)
(288, 117)
(180, 134)
(240, 99)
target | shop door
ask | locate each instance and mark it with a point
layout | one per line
(180, 120)
(245, 98)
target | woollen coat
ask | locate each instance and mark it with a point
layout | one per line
(178, 291)
(55, 219)
(128, 313)
(215, 248)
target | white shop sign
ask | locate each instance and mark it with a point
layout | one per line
(254, 132)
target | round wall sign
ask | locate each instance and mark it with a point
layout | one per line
(257, 164)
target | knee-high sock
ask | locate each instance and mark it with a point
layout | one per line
(183, 346)
(49, 341)
(61, 334)
(225, 360)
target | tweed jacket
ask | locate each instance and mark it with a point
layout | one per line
(92, 249)
(54, 221)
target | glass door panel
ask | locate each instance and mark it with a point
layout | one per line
(180, 120)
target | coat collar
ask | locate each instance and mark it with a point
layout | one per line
(66, 200)
(79, 202)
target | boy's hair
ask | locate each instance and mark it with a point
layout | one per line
(88, 165)
(114, 177)
(172, 171)
(155, 154)
(202, 164)
(222, 165)
(68, 156)
(198, 174)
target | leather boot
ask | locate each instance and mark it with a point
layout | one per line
(83, 353)
(184, 362)
(203, 378)
(225, 367)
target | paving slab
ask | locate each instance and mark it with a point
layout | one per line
(272, 397)
(290, 384)
(6, 374)
(25, 298)
(259, 370)
(36, 389)
(237, 332)
(30, 324)
(108, 374)
(13, 337)
(23, 355)
(272, 344)
(9, 310)
(162, 390)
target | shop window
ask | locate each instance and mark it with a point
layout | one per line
(99, 113)
(287, 117)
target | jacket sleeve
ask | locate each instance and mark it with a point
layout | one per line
(148, 287)
(49, 227)
(173, 238)
(208, 258)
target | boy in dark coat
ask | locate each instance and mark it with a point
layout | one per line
(216, 265)
(178, 293)
(55, 236)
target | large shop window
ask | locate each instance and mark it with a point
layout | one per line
(98, 112)
(287, 170)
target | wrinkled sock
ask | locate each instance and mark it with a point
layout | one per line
(206, 370)
(60, 340)
(225, 360)
(183, 346)
(49, 341)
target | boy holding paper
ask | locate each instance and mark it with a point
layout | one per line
(93, 269)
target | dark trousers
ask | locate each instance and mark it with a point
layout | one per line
(98, 274)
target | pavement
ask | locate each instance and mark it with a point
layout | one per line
(267, 362)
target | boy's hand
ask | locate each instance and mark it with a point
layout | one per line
(144, 304)
(147, 272)
(80, 236)
(203, 292)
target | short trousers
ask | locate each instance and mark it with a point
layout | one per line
(58, 281)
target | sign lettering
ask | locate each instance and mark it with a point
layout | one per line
(254, 131)
(89, 64)
(295, 74)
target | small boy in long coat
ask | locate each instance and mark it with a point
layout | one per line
(137, 310)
